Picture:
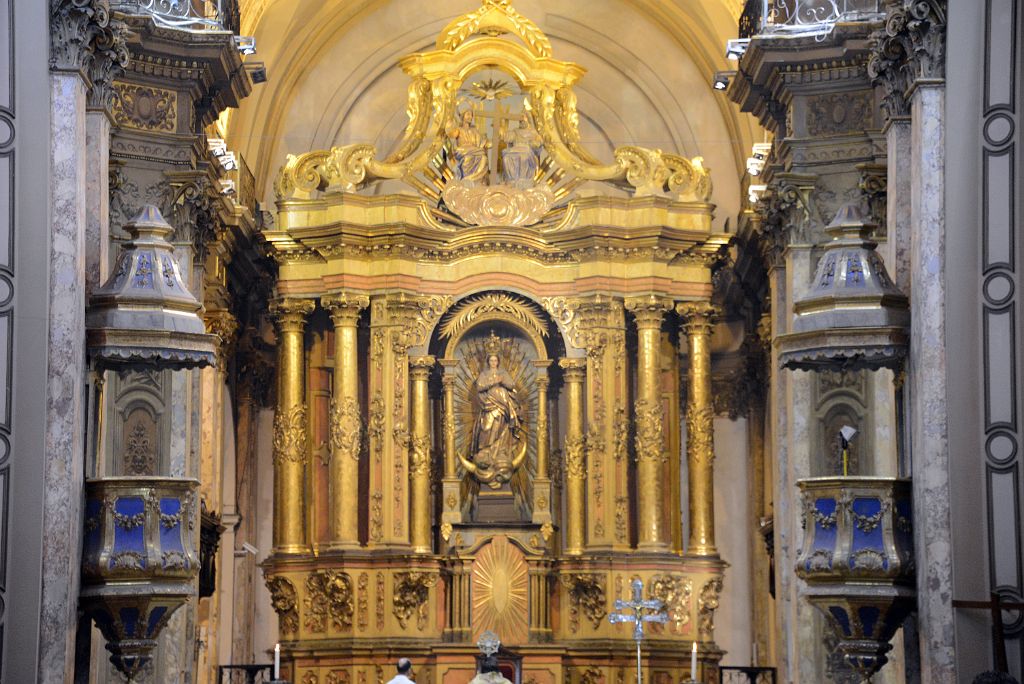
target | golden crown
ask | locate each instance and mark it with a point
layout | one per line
(492, 345)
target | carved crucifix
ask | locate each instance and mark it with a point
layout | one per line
(643, 610)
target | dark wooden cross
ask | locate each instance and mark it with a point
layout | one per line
(996, 606)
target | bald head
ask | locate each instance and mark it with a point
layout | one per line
(404, 666)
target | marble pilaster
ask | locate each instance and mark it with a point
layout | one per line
(97, 200)
(898, 229)
(929, 407)
(65, 396)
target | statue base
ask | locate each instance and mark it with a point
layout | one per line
(496, 506)
(498, 205)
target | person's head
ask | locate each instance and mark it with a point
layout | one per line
(492, 361)
(404, 666)
(467, 116)
(524, 120)
(490, 664)
(994, 678)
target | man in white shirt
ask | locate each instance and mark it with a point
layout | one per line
(404, 668)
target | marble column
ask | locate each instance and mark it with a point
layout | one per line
(291, 426)
(929, 409)
(649, 419)
(700, 431)
(65, 405)
(573, 373)
(346, 433)
(419, 455)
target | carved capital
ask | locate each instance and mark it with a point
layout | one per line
(344, 307)
(75, 27)
(911, 46)
(225, 326)
(420, 367)
(697, 317)
(109, 59)
(648, 310)
(573, 370)
(290, 314)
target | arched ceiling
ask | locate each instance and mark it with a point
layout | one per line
(333, 77)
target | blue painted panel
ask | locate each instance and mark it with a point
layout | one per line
(92, 539)
(170, 537)
(154, 620)
(867, 507)
(868, 619)
(825, 532)
(129, 528)
(842, 618)
(130, 621)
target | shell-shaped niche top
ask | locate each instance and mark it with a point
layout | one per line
(493, 134)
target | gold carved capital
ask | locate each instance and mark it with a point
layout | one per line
(697, 317)
(573, 370)
(648, 310)
(221, 323)
(344, 307)
(420, 367)
(415, 314)
(291, 313)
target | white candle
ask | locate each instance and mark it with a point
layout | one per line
(277, 661)
(693, 662)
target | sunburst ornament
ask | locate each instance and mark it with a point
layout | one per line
(491, 89)
(500, 585)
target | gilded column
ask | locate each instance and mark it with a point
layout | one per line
(542, 484)
(650, 440)
(574, 372)
(419, 455)
(451, 486)
(290, 426)
(700, 444)
(346, 435)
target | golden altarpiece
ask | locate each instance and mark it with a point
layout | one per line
(478, 419)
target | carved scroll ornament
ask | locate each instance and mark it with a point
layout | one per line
(328, 596)
(283, 600)
(411, 595)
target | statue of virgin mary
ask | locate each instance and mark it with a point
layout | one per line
(497, 433)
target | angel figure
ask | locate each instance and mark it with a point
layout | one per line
(470, 149)
(522, 156)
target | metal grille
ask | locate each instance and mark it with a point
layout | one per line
(244, 674)
(746, 675)
(815, 17)
(197, 15)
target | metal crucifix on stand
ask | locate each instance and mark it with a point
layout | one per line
(639, 616)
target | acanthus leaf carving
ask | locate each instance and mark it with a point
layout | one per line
(649, 432)
(290, 435)
(329, 596)
(675, 592)
(346, 428)
(587, 595)
(707, 604)
(283, 600)
(411, 596)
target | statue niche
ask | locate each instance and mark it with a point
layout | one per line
(496, 399)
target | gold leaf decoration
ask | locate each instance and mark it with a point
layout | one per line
(499, 590)
(471, 309)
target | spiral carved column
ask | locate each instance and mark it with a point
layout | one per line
(290, 426)
(649, 418)
(574, 372)
(700, 435)
(419, 455)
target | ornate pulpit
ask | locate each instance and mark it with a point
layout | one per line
(478, 408)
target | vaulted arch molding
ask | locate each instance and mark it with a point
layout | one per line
(310, 28)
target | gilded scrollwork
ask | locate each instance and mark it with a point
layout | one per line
(283, 599)
(363, 601)
(290, 435)
(411, 596)
(329, 596)
(575, 457)
(514, 308)
(346, 428)
(587, 595)
(649, 431)
(675, 592)
(707, 604)
(700, 432)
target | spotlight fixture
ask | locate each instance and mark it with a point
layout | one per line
(216, 146)
(227, 186)
(722, 79)
(257, 71)
(755, 192)
(756, 160)
(735, 47)
(245, 44)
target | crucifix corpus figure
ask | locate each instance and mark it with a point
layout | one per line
(643, 610)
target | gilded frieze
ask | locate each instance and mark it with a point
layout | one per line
(144, 108)
(587, 596)
(411, 597)
(674, 591)
(328, 597)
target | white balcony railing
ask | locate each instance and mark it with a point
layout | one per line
(815, 17)
(196, 15)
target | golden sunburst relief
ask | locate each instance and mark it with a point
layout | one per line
(500, 588)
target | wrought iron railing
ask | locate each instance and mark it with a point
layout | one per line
(195, 15)
(746, 675)
(804, 17)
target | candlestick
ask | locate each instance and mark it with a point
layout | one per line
(277, 661)
(693, 662)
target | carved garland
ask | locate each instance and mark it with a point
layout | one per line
(328, 596)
